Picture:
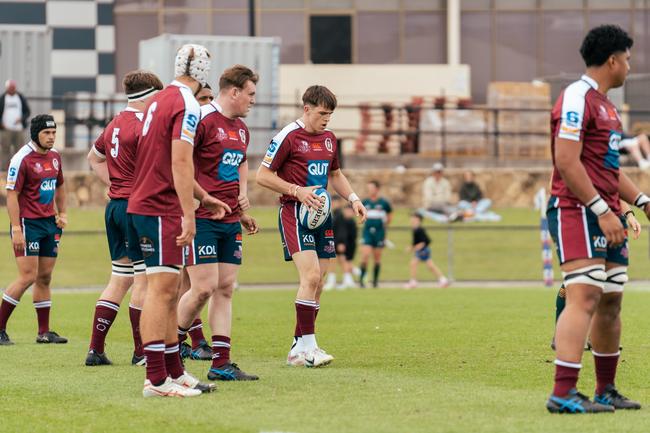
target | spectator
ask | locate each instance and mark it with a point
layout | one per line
(345, 238)
(14, 112)
(436, 195)
(471, 197)
(422, 254)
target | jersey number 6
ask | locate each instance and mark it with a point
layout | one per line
(147, 121)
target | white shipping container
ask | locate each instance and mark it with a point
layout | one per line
(25, 57)
(261, 54)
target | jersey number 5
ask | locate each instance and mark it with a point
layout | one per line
(115, 141)
(147, 121)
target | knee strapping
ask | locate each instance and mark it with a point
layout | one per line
(122, 269)
(594, 275)
(139, 267)
(616, 278)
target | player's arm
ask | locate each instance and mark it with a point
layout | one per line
(632, 222)
(98, 164)
(305, 194)
(632, 194)
(218, 208)
(183, 174)
(342, 186)
(60, 202)
(17, 236)
(244, 203)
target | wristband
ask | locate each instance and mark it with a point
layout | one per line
(353, 197)
(628, 213)
(598, 206)
(641, 201)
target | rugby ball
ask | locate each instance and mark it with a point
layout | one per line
(314, 218)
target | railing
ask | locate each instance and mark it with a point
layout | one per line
(486, 134)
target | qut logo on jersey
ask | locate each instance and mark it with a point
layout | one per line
(317, 172)
(46, 191)
(612, 156)
(229, 165)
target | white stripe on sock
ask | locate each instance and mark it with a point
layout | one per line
(107, 304)
(567, 364)
(9, 299)
(603, 355)
(134, 307)
(43, 304)
(172, 349)
(155, 347)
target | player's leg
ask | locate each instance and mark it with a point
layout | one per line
(220, 316)
(42, 297)
(350, 250)
(376, 255)
(138, 290)
(606, 333)
(413, 272)
(366, 252)
(138, 293)
(106, 309)
(204, 281)
(108, 304)
(577, 237)
(27, 267)
(158, 321)
(200, 349)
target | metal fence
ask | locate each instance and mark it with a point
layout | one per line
(463, 251)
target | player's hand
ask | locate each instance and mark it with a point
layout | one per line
(188, 231)
(17, 238)
(611, 226)
(217, 208)
(61, 220)
(249, 223)
(305, 194)
(244, 203)
(633, 223)
(360, 211)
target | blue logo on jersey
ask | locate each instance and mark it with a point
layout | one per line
(317, 172)
(46, 191)
(612, 155)
(572, 118)
(229, 166)
(12, 171)
(191, 120)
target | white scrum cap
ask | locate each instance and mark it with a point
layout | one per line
(194, 61)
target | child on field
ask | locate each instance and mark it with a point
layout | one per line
(422, 253)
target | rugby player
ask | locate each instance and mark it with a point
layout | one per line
(374, 231)
(216, 253)
(112, 157)
(301, 158)
(162, 211)
(36, 206)
(587, 225)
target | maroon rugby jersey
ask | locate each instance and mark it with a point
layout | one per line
(35, 176)
(581, 113)
(120, 138)
(172, 114)
(302, 158)
(220, 149)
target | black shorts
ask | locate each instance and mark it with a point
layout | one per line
(350, 248)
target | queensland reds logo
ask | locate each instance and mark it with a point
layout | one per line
(242, 135)
(221, 135)
(303, 146)
(38, 168)
(55, 163)
(328, 144)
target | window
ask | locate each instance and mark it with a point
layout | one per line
(329, 46)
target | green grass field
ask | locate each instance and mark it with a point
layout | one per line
(428, 360)
(480, 251)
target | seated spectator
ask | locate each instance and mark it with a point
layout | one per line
(472, 205)
(436, 195)
(471, 197)
(637, 147)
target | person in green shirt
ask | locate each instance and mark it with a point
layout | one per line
(374, 231)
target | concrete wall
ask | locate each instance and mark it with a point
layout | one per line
(506, 187)
(355, 84)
